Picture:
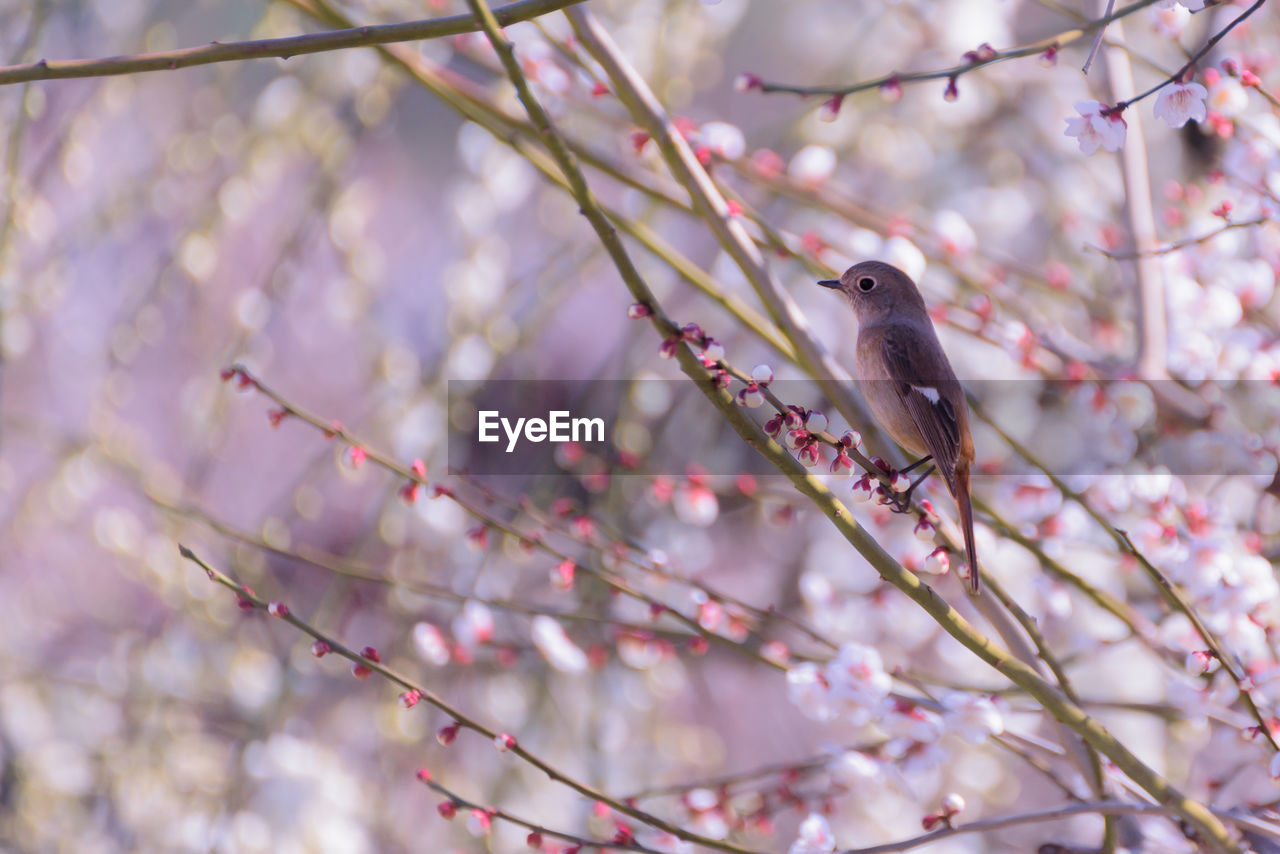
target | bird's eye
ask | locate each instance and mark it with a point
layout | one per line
(865, 284)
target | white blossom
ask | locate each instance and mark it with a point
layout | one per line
(562, 653)
(971, 717)
(815, 837)
(1179, 103)
(1093, 130)
(1227, 97)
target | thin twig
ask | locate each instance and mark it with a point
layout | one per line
(426, 695)
(1035, 48)
(1097, 41)
(1051, 814)
(1180, 604)
(282, 48)
(1179, 244)
(501, 814)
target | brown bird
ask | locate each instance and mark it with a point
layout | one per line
(909, 383)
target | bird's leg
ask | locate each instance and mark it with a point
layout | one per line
(917, 464)
(902, 502)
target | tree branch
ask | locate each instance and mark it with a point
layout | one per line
(283, 48)
(1055, 814)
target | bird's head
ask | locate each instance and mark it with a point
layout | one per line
(877, 290)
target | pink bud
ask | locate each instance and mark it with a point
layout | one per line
(862, 490)
(278, 609)
(504, 742)
(899, 482)
(842, 464)
(891, 90)
(447, 809)
(777, 652)
(924, 530)
(447, 734)
(952, 805)
(830, 109)
(938, 562)
(562, 575)
(747, 82)
(638, 311)
(410, 698)
(320, 649)
(423, 775)
(534, 839)
(808, 455)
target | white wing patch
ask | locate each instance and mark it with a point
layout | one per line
(931, 394)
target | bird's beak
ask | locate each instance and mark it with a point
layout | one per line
(834, 284)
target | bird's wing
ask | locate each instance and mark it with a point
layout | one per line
(925, 389)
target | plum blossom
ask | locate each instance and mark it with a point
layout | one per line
(474, 626)
(853, 767)
(812, 165)
(815, 837)
(1179, 103)
(954, 232)
(1169, 18)
(809, 690)
(562, 653)
(431, 644)
(858, 682)
(696, 504)
(853, 686)
(724, 139)
(1093, 130)
(971, 717)
(1227, 97)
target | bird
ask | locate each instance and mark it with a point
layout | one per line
(909, 383)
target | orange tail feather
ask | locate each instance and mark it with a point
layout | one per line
(961, 492)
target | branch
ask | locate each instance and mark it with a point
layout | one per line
(1180, 604)
(1178, 244)
(283, 48)
(1097, 42)
(1152, 324)
(1052, 43)
(1054, 814)
(424, 694)
(541, 830)
(618, 583)
(711, 207)
(1196, 57)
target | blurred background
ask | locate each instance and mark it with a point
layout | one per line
(333, 224)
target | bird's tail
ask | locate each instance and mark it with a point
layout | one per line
(960, 489)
